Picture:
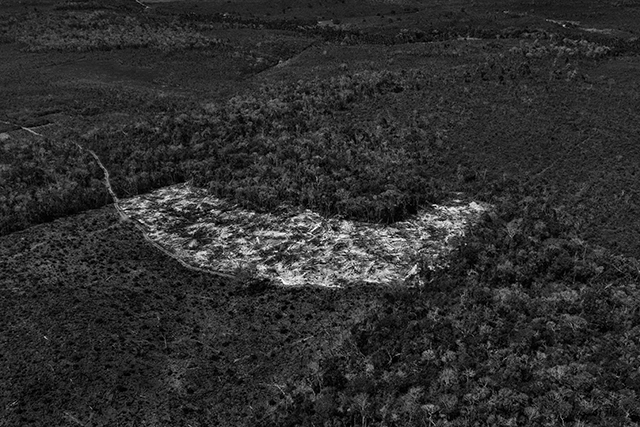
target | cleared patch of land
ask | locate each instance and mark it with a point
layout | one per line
(294, 247)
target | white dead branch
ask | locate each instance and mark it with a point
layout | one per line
(142, 4)
(30, 130)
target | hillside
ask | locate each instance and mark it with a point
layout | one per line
(370, 112)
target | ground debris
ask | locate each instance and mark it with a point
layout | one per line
(294, 246)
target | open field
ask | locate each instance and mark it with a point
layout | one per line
(366, 111)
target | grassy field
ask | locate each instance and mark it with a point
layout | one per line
(377, 111)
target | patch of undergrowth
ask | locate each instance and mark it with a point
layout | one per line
(105, 30)
(282, 145)
(530, 326)
(44, 179)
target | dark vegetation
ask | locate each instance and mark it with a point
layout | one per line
(283, 145)
(47, 179)
(530, 326)
(297, 143)
(536, 322)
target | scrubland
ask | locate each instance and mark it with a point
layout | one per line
(392, 107)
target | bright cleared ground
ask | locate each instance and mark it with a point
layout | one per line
(297, 247)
